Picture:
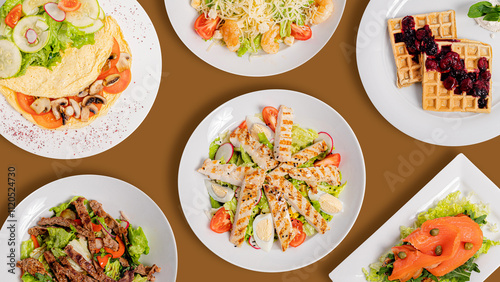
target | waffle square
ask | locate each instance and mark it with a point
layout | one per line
(443, 26)
(436, 97)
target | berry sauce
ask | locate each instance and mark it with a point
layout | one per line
(416, 41)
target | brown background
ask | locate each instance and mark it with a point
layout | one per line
(191, 89)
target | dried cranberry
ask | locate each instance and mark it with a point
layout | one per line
(482, 64)
(446, 63)
(453, 55)
(466, 85)
(482, 103)
(431, 64)
(458, 65)
(408, 23)
(421, 34)
(450, 83)
(486, 75)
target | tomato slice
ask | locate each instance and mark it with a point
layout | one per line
(303, 32)
(332, 159)
(270, 115)
(25, 101)
(69, 5)
(48, 121)
(205, 26)
(96, 227)
(115, 52)
(221, 221)
(121, 249)
(14, 16)
(122, 84)
(243, 124)
(300, 236)
(103, 260)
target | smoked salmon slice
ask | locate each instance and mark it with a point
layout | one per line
(412, 264)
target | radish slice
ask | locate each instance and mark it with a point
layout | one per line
(54, 12)
(252, 243)
(124, 224)
(225, 152)
(328, 139)
(260, 196)
(31, 36)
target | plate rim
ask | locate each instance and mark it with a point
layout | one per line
(357, 210)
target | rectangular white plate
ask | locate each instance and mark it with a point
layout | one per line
(460, 174)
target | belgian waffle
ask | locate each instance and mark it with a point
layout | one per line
(437, 98)
(443, 26)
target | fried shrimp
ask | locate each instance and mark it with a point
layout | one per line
(270, 39)
(324, 9)
(231, 35)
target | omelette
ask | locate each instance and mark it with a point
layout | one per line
(79, 89)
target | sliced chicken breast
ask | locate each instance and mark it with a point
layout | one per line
(259, 152)
(314, 175)
(248, 198)
(228, 173)
(283, 135)
(281, 216)
(308, 153)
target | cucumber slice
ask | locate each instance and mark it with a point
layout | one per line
(85, 15)
(93, 28)
(19, 34)
(31, 7)
(10, 59)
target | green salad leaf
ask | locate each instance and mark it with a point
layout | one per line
(37, 278)
(26, 248)
(58, 238)
(139, 278)
(112, 269)
(302, 138)
(139, 243)
(59, 209)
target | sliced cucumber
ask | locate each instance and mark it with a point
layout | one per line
(31, 7)
(10, 59)
(85, 15)
(19, 34)
(93, 28)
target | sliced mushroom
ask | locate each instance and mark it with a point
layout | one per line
(41, 105)
(124, 62)
(111, 80)
(76, 107)
(85, 114)
(83, 93)
(59, 102)
(93, 109)
(69, 111)
(97, 99)
(96, 87)
(106, 66)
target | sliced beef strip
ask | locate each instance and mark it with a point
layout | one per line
(148, 271)
(128, 276)
(32, 266)
(100, 272)
(82, 262)
(37, 230)
(64, 222)
(83, 214)
(109, 242)
(109, 220)
(123, 262)
(73, 274)
(57, 269)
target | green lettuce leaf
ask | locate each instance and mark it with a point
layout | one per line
(302, 138)
(139, 278)
(58, 238)
(213, 148)
(112, 269)
(59, 209)
(26, 248)
(139, 243)
(39, 278)
(7, 6)
(332, 190)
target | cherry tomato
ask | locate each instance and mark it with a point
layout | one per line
(300, 236)
(69, 5)
(221, 221)
(14, 16)
(303, 32)
(122, 84)
(103, 260)
(332, 159)
(205, 26)
(270, 115)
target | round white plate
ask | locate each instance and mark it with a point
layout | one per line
(403, 107)
(309, 112)
(124, 116)
(115, 196)
(182, 16)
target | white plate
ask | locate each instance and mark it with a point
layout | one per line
(124, 116)
(182, 16)
(115, 196)
(461, 174)
(403, 107)
(309, 112)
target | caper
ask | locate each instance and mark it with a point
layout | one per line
(469, 246)
(439, 250)
(402, 255)
(434, 232)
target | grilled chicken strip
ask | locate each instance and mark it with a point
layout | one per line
(299, 203)
(249, 196)
(281, 216)
(228, 173)
(308, 153)
(259, 152)
(283, 135)
(314, 175)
